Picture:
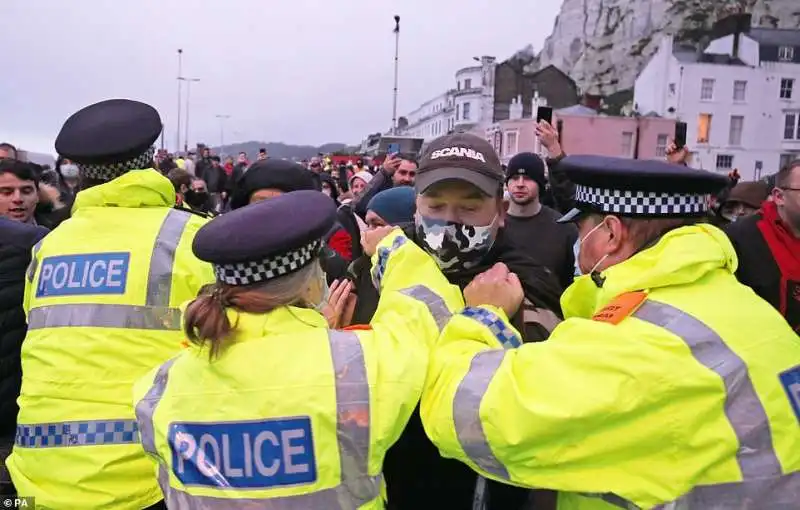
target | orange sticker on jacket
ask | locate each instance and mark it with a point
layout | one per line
(621, 307)
(358, 327)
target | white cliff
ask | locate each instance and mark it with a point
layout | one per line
(604, 44)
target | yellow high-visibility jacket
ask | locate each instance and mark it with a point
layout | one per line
(292, 414)
(102, 305)
(670, 383)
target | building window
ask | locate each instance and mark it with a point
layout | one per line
(703, 127)
(791, 126)
(735, 134)
(458, 85)
(786, 53)
(661, 146)
(707, 89)
(466, 111)
(787, 84)
(672, 89)
(458, 110)
(786, 159)
(724, 162)
(510, 147)
(759, 167)
(467, 84)
(739, 90)
(627, 144)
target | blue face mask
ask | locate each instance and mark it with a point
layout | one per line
(326, 290)
(576, 249)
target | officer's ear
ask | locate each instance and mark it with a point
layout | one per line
(618, 234)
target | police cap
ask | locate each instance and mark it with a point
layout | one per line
(638, 188)
(267, 239)
(279, 174)
(111, 137)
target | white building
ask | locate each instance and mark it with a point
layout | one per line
(740, 99)
(468, 106)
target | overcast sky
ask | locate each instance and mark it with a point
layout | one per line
(297, 71)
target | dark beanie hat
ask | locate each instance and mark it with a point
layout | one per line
(529, 164)
(395, 205)
(277, 174)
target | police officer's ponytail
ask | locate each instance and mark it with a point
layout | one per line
(206, 321)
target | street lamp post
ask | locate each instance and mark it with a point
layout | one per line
(178, 122)
(396, 68)
(222, 119)
(189, 82)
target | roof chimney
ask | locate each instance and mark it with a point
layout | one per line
(735, 24)
(592, 101)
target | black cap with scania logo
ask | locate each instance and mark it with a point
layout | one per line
(463, 157)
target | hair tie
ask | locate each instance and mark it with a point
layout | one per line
(219, 296)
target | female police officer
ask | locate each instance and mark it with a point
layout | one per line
(268, 407)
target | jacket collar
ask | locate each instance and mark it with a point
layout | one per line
(277, 322)
(135, 189)
(680, 257)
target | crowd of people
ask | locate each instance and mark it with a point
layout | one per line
(433, 330)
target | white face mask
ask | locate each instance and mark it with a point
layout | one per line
(578, 251)
(69, 171)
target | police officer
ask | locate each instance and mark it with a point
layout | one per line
(668, 381)
(268, 407)
(102, 303)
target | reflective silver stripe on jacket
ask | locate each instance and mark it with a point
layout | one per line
(763, 485)
(756, 455)
(466, 411)
(383, 259)
(162, 261)
(34, 261)
(352, 433)
(105, 316)
(154, 315)
(76, 433)
(436, 305)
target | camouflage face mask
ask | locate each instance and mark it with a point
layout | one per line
(455, 247)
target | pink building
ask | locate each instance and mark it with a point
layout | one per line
(584, 132)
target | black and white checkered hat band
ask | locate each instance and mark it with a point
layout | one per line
(641, 203)
(111, 171)
(247, 273)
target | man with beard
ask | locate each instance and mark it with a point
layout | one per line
(768, 247)
(532, 225)
(459, 222)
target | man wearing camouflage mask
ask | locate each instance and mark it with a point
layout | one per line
(459, 221)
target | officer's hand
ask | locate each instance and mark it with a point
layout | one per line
(341, 304)
(498, 287)
(371, 238)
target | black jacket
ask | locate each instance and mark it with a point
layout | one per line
(417, 477)
(232, 182)
(759, 270)
(16, 242)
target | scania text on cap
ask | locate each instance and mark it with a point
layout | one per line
(462, 152)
